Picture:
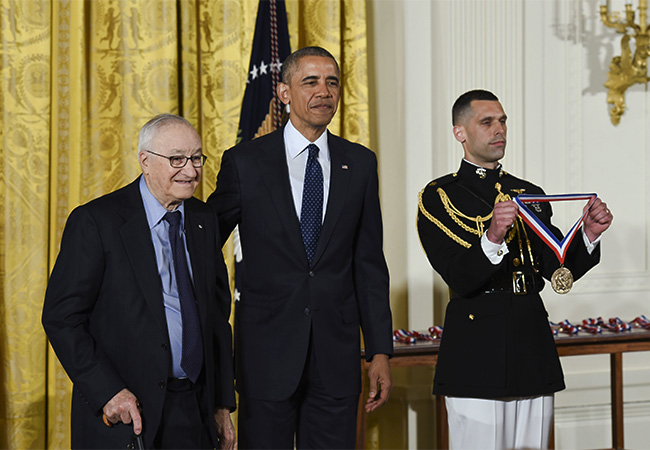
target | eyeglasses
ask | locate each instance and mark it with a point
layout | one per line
(178, 162)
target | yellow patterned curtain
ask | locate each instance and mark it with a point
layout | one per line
(79, 78)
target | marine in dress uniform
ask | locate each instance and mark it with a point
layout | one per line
(497, 343)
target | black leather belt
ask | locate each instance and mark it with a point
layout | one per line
(519, 283)
(179, 384)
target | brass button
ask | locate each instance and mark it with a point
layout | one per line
(499, 252)
(471, 317)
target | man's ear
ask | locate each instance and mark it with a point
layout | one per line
(282, 89)
(143, 158)
(459, 133)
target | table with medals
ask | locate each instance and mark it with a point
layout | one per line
(608, 341)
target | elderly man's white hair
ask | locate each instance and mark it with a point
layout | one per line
(149, 129)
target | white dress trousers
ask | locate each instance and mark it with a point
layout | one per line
(508, 423)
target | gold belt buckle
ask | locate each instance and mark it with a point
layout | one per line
(519, 283)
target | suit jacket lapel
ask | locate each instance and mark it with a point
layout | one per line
(140, 252)
(273, 165)
(341, 169)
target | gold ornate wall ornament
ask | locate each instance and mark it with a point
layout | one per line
(627, 69)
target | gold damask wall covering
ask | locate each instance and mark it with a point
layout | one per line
(79, 78)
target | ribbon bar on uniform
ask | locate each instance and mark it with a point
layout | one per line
(559, 247)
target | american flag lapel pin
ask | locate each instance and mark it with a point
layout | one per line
(344, 167)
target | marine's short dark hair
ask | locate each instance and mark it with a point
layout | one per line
(291, 62)
(464, 103)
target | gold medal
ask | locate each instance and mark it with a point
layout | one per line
(562, 280)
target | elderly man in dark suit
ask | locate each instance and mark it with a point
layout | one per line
(313, 269)
(137, 306)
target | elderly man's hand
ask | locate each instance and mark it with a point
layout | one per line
(225, 429)
(124, 407)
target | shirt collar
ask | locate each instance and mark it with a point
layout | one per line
(498, 167)
(296, 143)
(152, 207)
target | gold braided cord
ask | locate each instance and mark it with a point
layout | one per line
(439, 224)
(530, 250)
(454, 213)
(521, 247)
(501, 197)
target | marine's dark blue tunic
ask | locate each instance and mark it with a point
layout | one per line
(496, 343)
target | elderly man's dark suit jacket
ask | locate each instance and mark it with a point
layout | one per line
(105, 318)
(283, 300)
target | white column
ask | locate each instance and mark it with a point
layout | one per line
(418, 148)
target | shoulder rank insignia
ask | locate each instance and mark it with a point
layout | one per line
(445, 179)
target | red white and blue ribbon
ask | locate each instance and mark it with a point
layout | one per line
(411, 337)
(641, 322)
(564, 327)
(404, 337)
(435, 331)
(559, 247)
(616, 324)
(595, 326)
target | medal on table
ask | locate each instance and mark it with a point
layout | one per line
(562, 278)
